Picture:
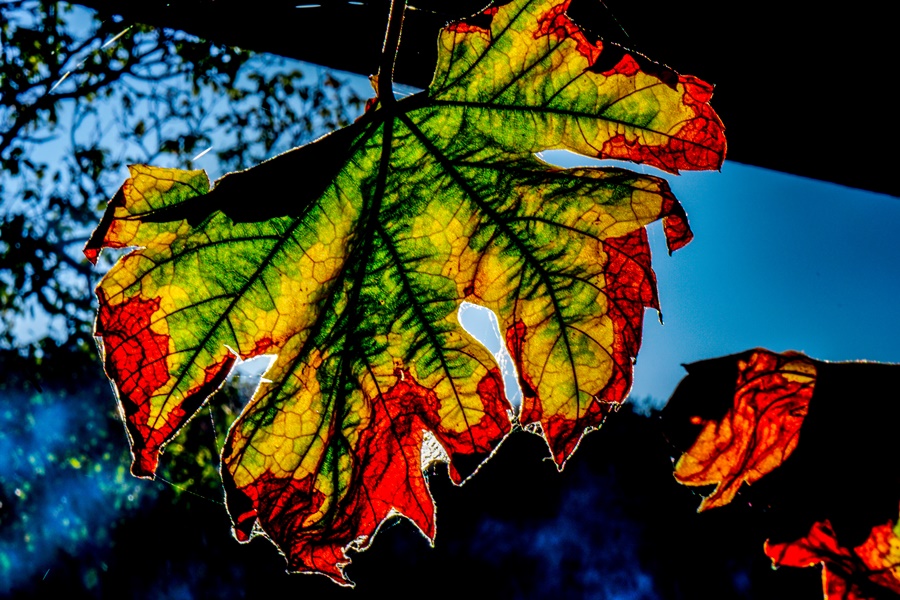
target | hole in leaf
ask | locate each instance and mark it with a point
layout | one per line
(482, 324)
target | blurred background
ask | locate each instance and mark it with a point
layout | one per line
(779, 261)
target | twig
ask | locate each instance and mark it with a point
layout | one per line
(389, 53)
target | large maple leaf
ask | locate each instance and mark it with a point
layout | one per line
(348, 259)
(793, 429)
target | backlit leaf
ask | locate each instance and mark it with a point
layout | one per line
(759, 432)
(798, 432)
(348, 259)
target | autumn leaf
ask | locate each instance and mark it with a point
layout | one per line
(758, 433)
(348, 259)
(794, 429)
(859, 573)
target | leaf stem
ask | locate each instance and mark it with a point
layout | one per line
(389, 52)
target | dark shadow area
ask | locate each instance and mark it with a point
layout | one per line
(799, 89)
(614, 524)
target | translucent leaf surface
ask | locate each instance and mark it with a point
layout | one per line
(348, 259)
(861, 573)
(758, 433)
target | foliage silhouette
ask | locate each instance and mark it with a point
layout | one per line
(81, 97)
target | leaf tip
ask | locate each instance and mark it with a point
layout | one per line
(145, 462)
(98, 240)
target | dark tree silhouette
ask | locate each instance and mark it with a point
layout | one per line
(80, 97)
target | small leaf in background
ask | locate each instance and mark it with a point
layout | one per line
(759, 432)
(815, 443)
(349, 258)
(860, 573)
